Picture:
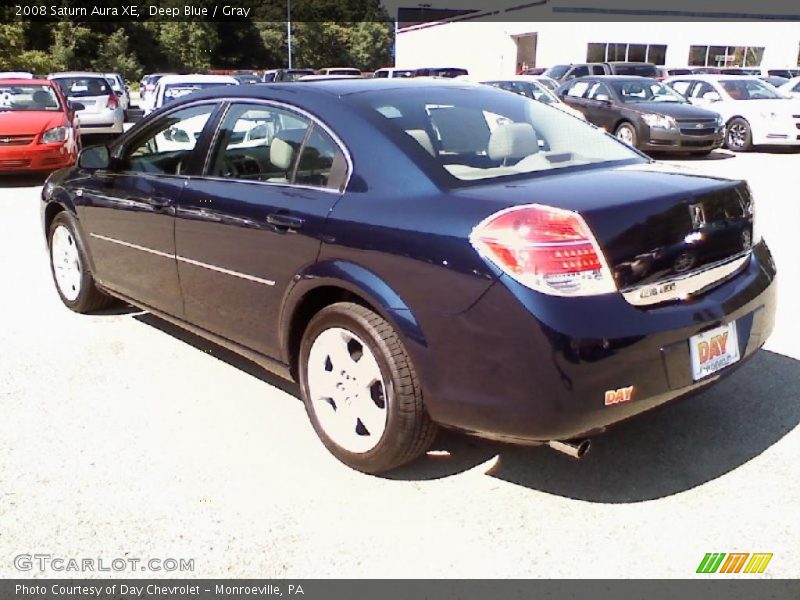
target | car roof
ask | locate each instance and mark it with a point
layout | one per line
(717, 77)
(616, 78)
(197, 78)
(67, 74)
(25, 81)
(332, 87)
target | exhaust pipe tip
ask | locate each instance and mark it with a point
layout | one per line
(576, 449)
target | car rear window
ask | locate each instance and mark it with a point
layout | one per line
(480, 133)
(84, 87)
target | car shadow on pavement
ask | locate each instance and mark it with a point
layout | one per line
(658, 454)
(220, 353)
(23, 180)
(714, 155)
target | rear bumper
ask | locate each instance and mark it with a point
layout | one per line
(524, 367)
(107, 121)
(661, 140)
(36, 157)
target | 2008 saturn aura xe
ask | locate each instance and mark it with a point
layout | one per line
(420, 254)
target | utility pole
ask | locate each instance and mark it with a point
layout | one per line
(289, 29)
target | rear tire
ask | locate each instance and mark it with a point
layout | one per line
(70, 268)
(361, 391)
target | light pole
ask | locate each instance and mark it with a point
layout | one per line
(289, 29)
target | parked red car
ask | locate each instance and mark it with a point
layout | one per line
(38, 127)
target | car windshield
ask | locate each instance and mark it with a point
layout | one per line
(344, 72)
(28, 97)
(84, 87)
(557, 72)
(480, 133)
(644, 90)
(178, 90)
(398, 73)
(749, 89)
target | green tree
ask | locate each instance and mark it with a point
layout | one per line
(74, 46)
(115, 56)
(188, 46)
(12, 44)
(371, 45)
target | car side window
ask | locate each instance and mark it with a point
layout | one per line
(322, 163)
(597, 89)
(167, 148)
(702, 88)
(265, 143)
(258, 143)
(581, 71)
(578, 89)
(598, 70)
(682, 87)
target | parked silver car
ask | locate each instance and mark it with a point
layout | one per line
(102, 112)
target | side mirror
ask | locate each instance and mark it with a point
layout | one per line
(603, 98)
(76, 106)
(711, 97)
(94, 157)
(118, 93)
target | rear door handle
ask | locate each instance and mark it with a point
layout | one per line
(285, 222)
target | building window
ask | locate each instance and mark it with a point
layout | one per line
(725, 56)
(601, 52)
(596, 53)
(657, 54)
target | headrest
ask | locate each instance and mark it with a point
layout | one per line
(281, 153)
(42, 98)
(513, 140)
(423, 139)
(284, 145)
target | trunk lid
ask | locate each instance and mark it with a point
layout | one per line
(654, 224)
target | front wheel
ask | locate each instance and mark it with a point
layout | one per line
(361, 391)
(738, 136)
(70, 269)
(627, 133)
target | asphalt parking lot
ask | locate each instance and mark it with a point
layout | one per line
(124, 437)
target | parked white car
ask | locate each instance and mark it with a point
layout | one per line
(392, 73)
(753, 110)
(15, 75)
(339, 71)
(791, 87)
(530, 87)
(120, 89)
(102, 112)
(171, 87)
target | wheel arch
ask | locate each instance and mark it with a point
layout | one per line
(329, 282)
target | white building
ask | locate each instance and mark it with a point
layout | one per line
(491, 48)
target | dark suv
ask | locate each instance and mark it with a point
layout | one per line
(566, 72)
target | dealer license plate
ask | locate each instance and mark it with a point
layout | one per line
(714, 350)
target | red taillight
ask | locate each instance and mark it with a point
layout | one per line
(547, 249)
(113, 102)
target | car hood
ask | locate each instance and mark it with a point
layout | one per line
(673, 109)
(28, 122)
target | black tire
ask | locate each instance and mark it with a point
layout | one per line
(738, 136)
(409, 430)
(89, 297)
(631, 130)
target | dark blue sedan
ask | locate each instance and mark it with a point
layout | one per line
(420, 254)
